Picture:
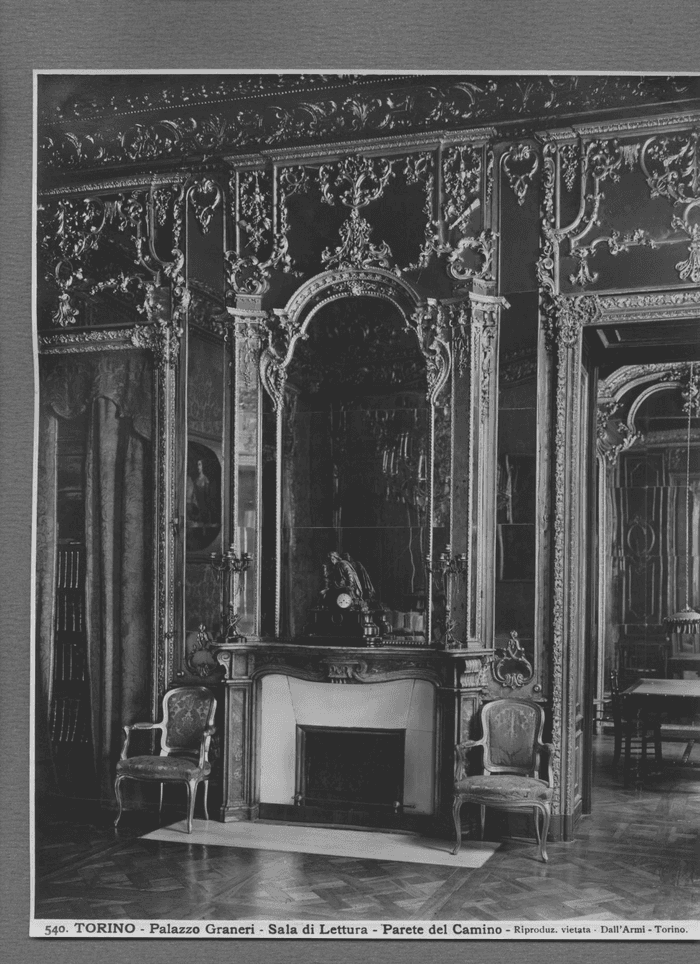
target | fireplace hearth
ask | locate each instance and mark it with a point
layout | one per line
(350, 769)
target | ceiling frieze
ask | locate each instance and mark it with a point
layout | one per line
(106, 121)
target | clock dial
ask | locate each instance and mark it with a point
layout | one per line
(343, 599)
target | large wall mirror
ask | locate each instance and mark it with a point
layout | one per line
(206, 484)
(364, 487)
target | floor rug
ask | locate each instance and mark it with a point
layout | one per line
(406, 848)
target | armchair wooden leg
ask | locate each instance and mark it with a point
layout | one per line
(456, 807)
(206, 794)
(544, 810)
(482, 820)
(160, 802)
(191, 794)
(118, 794)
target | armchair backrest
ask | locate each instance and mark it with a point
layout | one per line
(512, 736)
(187, 712)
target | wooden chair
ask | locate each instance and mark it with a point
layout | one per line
(635, 730)
(641, 659)
(186, 732)
(512, 743)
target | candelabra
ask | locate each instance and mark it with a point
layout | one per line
(229, 565)
(448, 566)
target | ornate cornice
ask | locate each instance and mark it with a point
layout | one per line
(629, 307)
(140, 122)
(73, 342)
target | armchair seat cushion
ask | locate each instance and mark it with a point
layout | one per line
(506, 786)
(161, 768)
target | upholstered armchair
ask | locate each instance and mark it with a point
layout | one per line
(185, 735)
(512, 743)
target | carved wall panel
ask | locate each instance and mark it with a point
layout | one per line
(300, 193)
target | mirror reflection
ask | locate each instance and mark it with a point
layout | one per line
(356, 469)
(650, 519)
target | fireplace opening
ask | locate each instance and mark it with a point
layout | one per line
(350, 768)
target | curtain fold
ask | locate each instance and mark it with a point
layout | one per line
(116, 390)
(118, 582)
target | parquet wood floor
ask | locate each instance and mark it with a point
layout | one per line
(636, 857)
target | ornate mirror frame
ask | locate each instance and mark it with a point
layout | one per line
(456, 336)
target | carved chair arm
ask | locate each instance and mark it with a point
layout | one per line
(207, 734)
(136, 726)
(461, 751)
(549, 747)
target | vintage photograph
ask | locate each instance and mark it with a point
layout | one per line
(367, 505)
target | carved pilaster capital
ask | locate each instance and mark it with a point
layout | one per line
(163, 339)
(564, 318)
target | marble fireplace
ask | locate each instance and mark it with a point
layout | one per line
(290, 707)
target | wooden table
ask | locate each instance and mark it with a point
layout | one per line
(679, 697)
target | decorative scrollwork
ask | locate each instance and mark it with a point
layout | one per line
(205, 197)
(616, 243)
(163, 339)
(431, 323)
(461, 182)
(671, 165)
(273, 377)
(247, 273)
(162, 201)
(570, 155)
(255, 199)
(462, 173)
(201, 661)
(520, 164)
(691, 391)
(419, 168)
(294, 180)
(356, 181)
(689, 269)
(74, 230)
(484, 245)
(345, 671)
(614, 436)
(356, 250)
(320, 117)
(510, 666)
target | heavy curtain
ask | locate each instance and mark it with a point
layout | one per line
(116, 391)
